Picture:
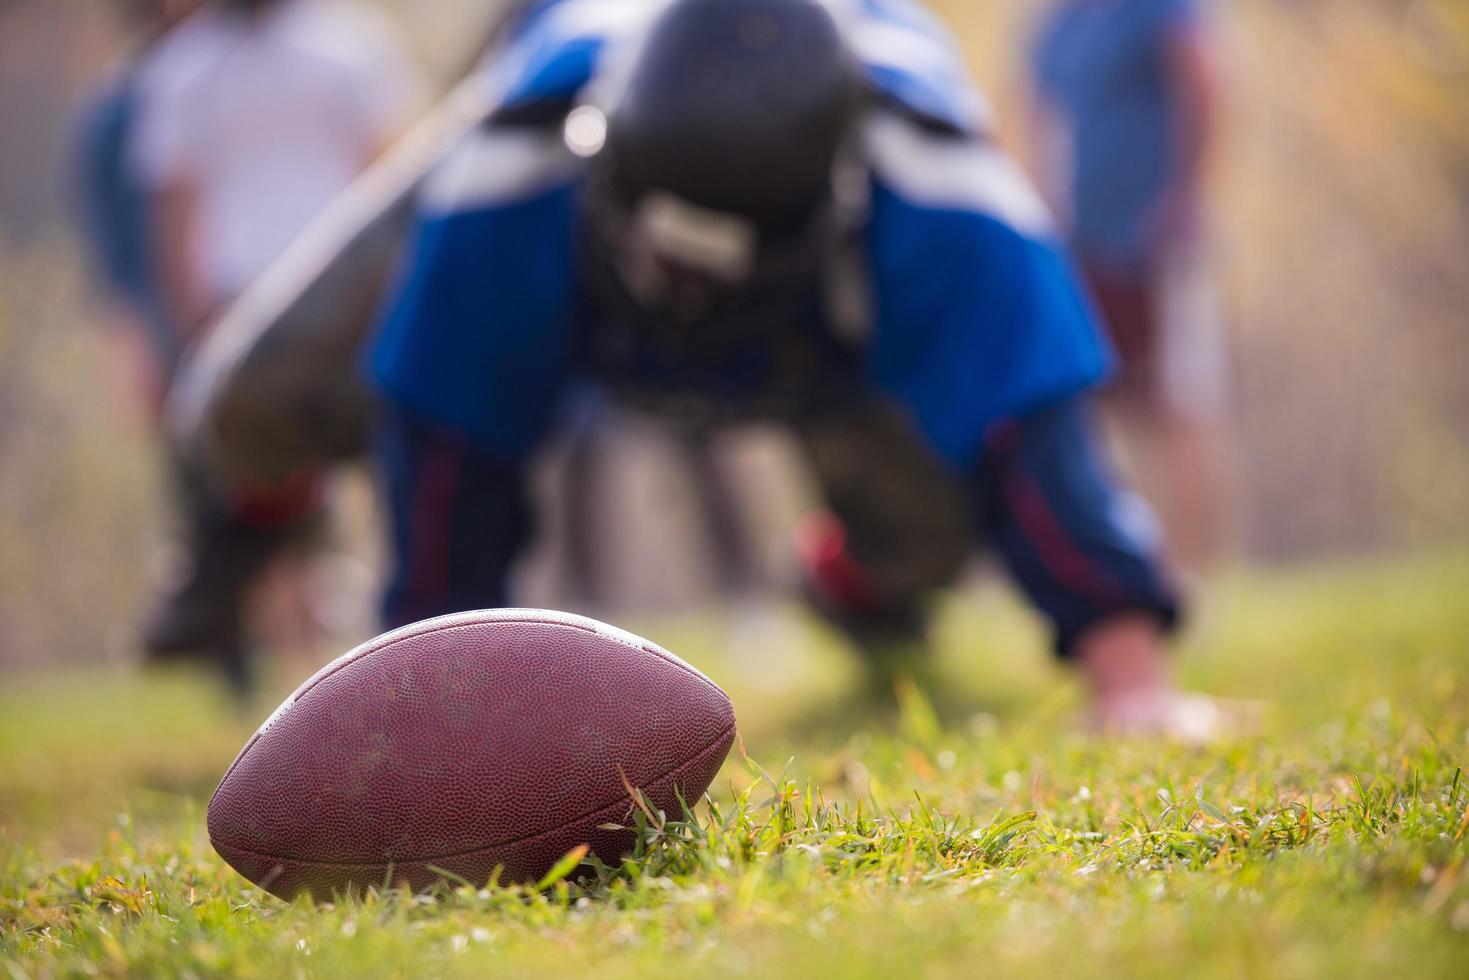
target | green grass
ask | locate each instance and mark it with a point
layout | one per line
(984, 833)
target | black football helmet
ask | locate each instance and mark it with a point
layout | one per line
(710, 205)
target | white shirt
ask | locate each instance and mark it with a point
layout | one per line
(268, 118)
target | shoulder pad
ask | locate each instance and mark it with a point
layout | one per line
(557, 49)
(913, 63)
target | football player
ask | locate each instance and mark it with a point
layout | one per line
(782, 210)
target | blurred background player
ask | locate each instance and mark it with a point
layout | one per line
(254, 114)
(766, 216)
(1126, 111)
(117, 221)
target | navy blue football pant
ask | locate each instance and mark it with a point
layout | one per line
(1042, 496)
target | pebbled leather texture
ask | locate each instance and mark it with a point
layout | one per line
(496, 739)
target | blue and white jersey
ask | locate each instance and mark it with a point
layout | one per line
(975, 314)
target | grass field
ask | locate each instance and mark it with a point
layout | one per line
(981, 833)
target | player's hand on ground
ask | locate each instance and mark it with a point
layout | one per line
(1177, 715)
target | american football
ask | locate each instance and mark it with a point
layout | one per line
(1046, 421)
(466, 745)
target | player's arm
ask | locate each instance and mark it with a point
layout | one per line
(1045, 137)
(1085, 549)
(984, 337)
(166, 157)
(1197, 96)
(458, 519)
(469, 363)
(116, 238)
(1044, 147)
(175, 245)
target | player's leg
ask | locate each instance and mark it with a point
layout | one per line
(728, 542)
(896, 531)
(458, 518)
(582, 492)
(228, 545)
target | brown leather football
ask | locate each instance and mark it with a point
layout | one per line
(498, 739)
